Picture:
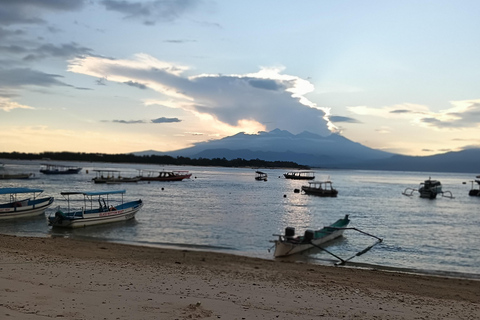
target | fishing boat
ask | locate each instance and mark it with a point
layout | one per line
(428, 189)
(7, 176)
(18, 206)
(300, 175)
(58, 169)
(112, 177)
(260, 176)
(99, 207)
(289, 244)
(320, 188)
(475, 191)
(178, 175)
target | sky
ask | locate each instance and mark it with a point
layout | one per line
(120, 76)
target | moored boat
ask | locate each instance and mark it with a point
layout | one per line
(429, 189)
(261, 176)
(320, 188)
(300, 175)
(112, 177)
(7, 176)
(17, 206)
(59, 169)
(475, 191)
(107, 210)
(177, 175)
(289, 244)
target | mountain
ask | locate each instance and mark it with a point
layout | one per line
(279, 145)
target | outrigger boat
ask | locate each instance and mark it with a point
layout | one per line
(112, 177)
(300, 175)
(289, 244)
(320, 188)
(473, 191)
(260, 176)
(17, 207)
(93, 214)
(58, 169)
(178, 175)
(429, 189)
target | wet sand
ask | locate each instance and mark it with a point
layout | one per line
(44, 278)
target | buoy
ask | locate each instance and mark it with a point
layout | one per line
(284, 195)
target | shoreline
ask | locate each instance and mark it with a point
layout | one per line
(83, 279)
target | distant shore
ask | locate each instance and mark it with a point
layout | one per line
(60, 277)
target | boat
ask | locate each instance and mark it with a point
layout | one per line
(260, 176)
(58, 169)
(177, 175)
(300, 175)
(289, 244)
(20, 207)
(428, 189)
(475, 191)
(112, 177)
(320, 188)
(98, 208)
(6, 176)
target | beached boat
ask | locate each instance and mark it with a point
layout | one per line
(289, 244)
(428, 189)
(99, 207)
(178, 175)
(320, 188)
(260, 176)
(475, 191)
(59, 169)
(300, 175)
(16, 206)
(112, 177)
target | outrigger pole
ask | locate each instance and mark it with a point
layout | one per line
(343, 261)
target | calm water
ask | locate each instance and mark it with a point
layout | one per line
(225, 209)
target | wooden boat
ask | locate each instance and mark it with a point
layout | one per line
(98, 208)
(475, 191)
(112, 177)
(260, 176)
(429, 189)
(59, 169)
(289, 244)
(320, 188)
(6, 176)
(300, 175)
(19, 207)
(178, 175)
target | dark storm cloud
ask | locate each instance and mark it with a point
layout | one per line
(343, 119)
(136, 85)
(166, 120)
(150, 12)
(10, 78)
(27, 11)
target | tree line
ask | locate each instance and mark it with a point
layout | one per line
(150, 159)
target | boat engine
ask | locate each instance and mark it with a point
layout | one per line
(289, 232)
(309, 235)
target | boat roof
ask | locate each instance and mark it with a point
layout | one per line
(18, 190)
(58, 165)
(103, 170)
(92, 193)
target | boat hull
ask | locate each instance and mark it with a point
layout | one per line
(175, 178)
(25, 208)
(95, 217)
(320, 193)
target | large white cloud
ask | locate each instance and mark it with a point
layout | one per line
(268, 97)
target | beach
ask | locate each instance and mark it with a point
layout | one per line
(44, 278)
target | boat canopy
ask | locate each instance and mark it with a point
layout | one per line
(93, 193)
(18, 190)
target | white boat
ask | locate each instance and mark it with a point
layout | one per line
(17, 206)
(261, 176)
(428, 189)
(99, 207)
(320, 188)
(289, 244)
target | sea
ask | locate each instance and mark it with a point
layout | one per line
(226, 210)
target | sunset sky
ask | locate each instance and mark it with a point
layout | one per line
(123, 76)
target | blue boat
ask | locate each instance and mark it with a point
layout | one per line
(17, 205)
(99, 207)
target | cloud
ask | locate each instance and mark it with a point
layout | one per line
(151, 12)
(8, 105)
(128, 121)
(136, 85)
(11, 78)
(166, 120)
(267, 99)
(29, 11)
(68, 50)
(343, 119)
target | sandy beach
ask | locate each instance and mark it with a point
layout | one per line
(44, 278)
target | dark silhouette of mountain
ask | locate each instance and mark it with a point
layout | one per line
(279, 145)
